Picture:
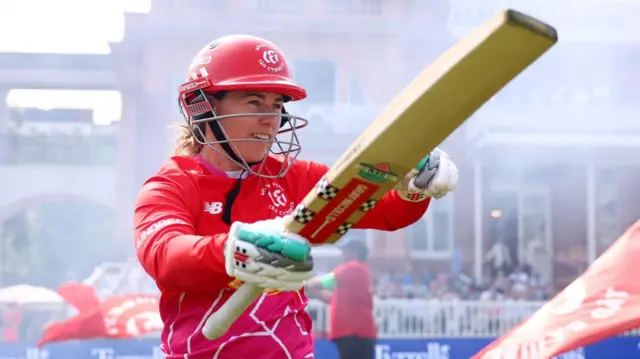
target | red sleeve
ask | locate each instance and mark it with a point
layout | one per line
(353, 279)
(165, 239)
(341, 273)
(390, 214)
(325, 296)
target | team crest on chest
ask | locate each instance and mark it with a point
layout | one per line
(277, 200)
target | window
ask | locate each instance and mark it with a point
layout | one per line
(500, 215)
(433, 234)
(517, 211)
(319, 78)
(534, 231)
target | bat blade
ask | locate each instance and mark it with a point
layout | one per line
(424, 114)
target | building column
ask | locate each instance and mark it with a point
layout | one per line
(125, 169)
(477, 222)
(591, 207)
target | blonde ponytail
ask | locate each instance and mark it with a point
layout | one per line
(186, 143)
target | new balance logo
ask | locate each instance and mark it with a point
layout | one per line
(213, 207)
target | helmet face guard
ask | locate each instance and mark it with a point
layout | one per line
(241, 63)
(199, 114)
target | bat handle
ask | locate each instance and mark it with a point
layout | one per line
(221, 320)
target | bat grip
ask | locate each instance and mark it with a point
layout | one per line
(221, 320)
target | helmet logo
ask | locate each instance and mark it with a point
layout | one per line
(270, 59)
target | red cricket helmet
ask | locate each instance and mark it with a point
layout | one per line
(242, 62)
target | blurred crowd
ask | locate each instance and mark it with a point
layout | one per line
(518, 284)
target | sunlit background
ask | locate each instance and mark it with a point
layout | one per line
(548, 168)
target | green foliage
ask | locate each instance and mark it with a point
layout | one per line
(21, 257)
(56, 242)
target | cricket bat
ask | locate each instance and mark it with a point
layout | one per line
(417, 120)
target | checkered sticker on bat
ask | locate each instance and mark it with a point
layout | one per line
(326, 191)
(302, 214)
(344, 228)
(368, 205)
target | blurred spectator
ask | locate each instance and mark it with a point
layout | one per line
(520, 275)
(516, 285)
(538, 259)
(417, 288)
(387, 287)
(498, 257)
(11, 320)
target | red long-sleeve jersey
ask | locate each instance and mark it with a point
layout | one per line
(179, 237)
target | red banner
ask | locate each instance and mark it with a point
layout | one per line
(603, 302)
(122, 317)
(80, 296)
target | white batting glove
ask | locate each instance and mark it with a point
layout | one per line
(264, 254)
(435, 176)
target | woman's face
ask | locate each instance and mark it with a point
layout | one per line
(263, 127)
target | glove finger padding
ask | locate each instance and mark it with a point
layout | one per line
(434, 177)
(264, 254)
(426, 171)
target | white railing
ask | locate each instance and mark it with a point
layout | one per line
(416, 318)
(395, 318)
(410, 319)
(423, 318)
(115, 278)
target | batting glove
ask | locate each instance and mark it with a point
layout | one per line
(435, 176)
(264, 254)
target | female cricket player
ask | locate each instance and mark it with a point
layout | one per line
(212, 216)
